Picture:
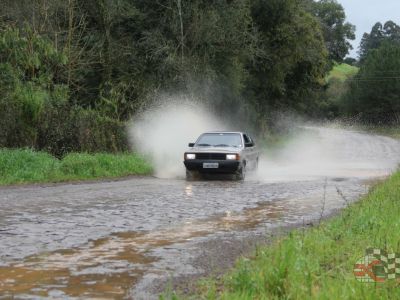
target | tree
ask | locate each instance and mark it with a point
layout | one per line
(350, 61)
(239, 55)
(337, 32)
(374, 92)
(390, 31)
(291, 57)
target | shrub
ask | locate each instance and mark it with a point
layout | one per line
(28, 63)
(65, 129)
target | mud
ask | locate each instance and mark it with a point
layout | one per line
(131, 239)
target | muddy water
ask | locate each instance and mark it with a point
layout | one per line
(129, 239)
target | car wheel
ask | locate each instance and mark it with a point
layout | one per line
(241, 173)
(190, 175)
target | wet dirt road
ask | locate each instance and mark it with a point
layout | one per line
(129, 239)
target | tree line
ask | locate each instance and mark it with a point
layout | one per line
(73, 72)
(373, 95)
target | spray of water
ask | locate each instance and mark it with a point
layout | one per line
(164, 130)
(316, 152)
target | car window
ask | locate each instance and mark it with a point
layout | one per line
(219, 140)
(246, 139)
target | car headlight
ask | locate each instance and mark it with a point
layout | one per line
(190, 156)
(232, 157)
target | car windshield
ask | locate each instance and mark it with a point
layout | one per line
(219, 140)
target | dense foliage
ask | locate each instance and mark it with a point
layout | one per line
(371, 95)
(389, 33)
(72, 72)
(374, 93)
(291, 60)
(336, 88)
(337, 32)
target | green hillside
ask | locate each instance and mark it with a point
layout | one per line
(342, 72)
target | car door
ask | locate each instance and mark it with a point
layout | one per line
(251, 153)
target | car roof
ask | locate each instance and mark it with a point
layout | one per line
(237, 132)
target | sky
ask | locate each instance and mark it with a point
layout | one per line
(365, 13)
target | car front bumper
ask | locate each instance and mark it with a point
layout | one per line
(224, 166)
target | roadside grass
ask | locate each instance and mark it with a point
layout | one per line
(317, 263)
(391, 131)
(28, 166)
(342, 72)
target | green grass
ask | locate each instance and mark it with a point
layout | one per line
(317, 263)
(342, 72)
(28, 166)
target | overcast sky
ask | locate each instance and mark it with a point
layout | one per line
(365, 13)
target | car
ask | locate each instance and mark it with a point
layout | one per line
(221, 153)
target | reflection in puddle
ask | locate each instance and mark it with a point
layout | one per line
(107, 268)
(189, 190)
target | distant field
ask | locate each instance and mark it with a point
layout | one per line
(318, 263)
(28, 166)
(342, 72)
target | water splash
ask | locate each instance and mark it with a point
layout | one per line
(163, 132)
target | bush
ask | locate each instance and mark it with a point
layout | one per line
(28, 64)
(96, 133)
(10, 116)
(65, 129)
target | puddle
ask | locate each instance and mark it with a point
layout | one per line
(107, 268)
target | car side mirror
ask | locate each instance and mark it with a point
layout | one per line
(191, 145)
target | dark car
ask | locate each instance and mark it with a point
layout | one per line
(221, 153)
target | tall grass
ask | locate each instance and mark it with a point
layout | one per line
(318, 263)
(28, 166)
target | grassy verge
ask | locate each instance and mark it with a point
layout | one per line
(318, 263)
(27, 166)
(390, 131)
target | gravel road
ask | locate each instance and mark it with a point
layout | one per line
(132, 238)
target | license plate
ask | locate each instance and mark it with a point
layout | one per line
(210, 165)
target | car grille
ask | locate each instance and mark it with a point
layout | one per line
(211, 156)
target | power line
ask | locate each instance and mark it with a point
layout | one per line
(374, 80)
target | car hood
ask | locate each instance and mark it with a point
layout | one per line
(215, 150)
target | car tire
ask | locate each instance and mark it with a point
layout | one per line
(241, 173)
(190, 175)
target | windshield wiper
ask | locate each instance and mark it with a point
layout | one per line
(222, 145)
(203, 145)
